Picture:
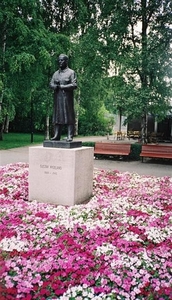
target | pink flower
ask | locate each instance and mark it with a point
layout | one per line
(119, 242)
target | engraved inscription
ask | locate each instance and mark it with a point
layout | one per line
(55, 167)
(44, 166)
(49, 168)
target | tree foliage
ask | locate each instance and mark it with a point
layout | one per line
(27, 56)
(121, 51)
(141, 83)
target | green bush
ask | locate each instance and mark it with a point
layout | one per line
(96, 123)
(88, 144)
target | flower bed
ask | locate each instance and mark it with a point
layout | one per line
(116, 246)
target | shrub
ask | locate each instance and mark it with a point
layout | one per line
(135, 151)
(88, 144)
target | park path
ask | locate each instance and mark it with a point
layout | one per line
(149, 167)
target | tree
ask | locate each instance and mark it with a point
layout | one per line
(33, 34)
(18, 21)
(140, 50)
(27, 55)
(78, 20)
(129, 36)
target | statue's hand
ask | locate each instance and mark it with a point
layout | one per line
(62, 86)
(57, 82)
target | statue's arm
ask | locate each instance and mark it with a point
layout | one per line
(54, 83)
(73, 83)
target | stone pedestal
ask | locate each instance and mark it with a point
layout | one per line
(62, 144)
(60, 176)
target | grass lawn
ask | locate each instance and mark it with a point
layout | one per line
(15, 140)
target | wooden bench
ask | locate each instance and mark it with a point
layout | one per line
(133, 134)
(112, 149)
(156, 151)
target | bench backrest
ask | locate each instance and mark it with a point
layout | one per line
(156, 148)
(112, 146)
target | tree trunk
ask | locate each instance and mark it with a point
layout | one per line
(144, 79)
(144, 129)
(77, 114)
(1, 132)
(6, 125)
(120, 119)
(4, 37)
(76, 123)
(47, 134)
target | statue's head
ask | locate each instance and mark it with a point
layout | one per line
(63, 61)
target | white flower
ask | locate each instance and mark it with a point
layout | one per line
(13, 243)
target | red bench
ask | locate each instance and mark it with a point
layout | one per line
(112, 148)
(156, 151)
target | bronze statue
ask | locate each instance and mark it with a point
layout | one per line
(63, 83)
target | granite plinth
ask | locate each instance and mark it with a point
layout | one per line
(60, 176)
(62, 144)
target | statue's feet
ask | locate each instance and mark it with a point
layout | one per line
(55, 138)
(69, 139)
